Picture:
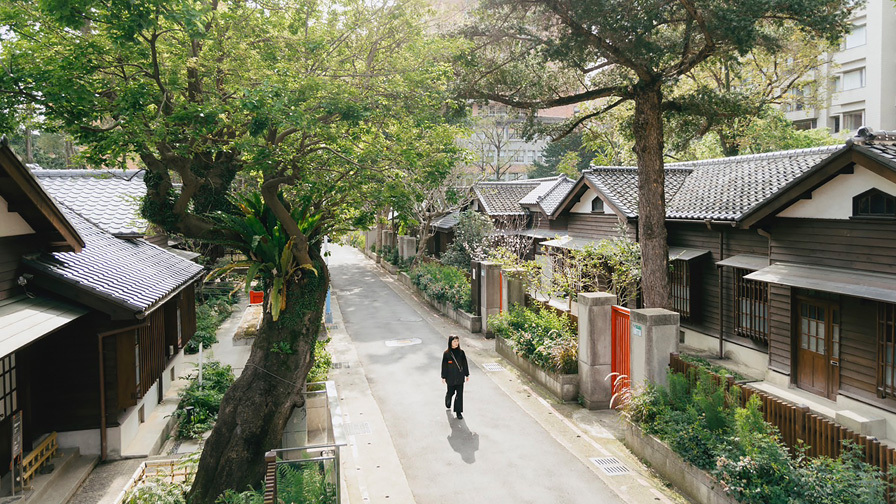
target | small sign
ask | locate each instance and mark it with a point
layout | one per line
(637, 330)
(17, 434)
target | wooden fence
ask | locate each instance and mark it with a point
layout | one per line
(822, 437)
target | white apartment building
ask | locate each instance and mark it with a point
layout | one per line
(857, 82)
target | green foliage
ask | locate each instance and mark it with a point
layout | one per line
(157, 491)
(443, 283)
(472, 238)
(613, 265)
(544, 336)
(355, 239)
(205, 399)
(743, 451)
(323, 361)
(712, 368)
(555, 152)
(210, 314)
(308, 483)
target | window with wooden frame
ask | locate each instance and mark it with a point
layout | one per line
(680, 282)
(886, 349)
(750, 307)
(874, 203)
(9, 401)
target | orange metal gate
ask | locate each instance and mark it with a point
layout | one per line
(620, 365)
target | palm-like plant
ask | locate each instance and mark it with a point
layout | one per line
(262, 238)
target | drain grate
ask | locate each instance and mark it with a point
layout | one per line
(493, 366)
(356, 429)
(340, 365)
(403, 342)
(611, 466)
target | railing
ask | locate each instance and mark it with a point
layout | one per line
(323, 455)
(38, 458)
(169, 470)
(822, 437)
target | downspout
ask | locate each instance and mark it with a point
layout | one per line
(721, 293)
(100, 336)
(768, 236)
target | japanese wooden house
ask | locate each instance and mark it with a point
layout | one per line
(92, 319)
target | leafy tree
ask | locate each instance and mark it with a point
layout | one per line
(318, 107)
(545, 53)
(472, 237)
(567, 155)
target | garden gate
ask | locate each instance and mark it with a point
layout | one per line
(621, 363)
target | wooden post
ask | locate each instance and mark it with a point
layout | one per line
(801, 418)
(270, 478)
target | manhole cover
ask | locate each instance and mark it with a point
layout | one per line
(340, 365)
(403, 342)
(493, 366)
(356, 429)
(610, 466)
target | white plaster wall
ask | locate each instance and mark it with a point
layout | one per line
(743, 356)
(870, 412)
(584, 204)
(87, 440)
(11, 223)
(834, 199)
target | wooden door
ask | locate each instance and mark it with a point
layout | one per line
(818, 340)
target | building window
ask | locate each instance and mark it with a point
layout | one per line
(680, 281)
(835, 124)
(852, 121)
(8, 388)
(750, 307)
(886, 353)
(855, 38)
(854, 79)
(874, 203)
(806, 124)
(597, 205)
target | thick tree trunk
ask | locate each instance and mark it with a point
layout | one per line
(648, 130)
(255, 409)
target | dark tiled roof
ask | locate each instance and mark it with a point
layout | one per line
(884, 152)
(555, 194)
(620, 185)
(108, 198)
(447, 221)
(725, 189)
(503, 198)
(532, 197)
(132, 274)
(720, 189)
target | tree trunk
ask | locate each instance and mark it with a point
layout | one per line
(29, 146)
(254, 411)
(648, 131)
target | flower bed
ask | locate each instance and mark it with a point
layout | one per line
(544, 336)
(442, 283)
(564, 387)
(696, 419)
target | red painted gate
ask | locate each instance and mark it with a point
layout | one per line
(620, 364)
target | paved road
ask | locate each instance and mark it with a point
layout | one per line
(497, 454)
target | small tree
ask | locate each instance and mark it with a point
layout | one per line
(472, 237)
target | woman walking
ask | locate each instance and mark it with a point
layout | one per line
(454, 373)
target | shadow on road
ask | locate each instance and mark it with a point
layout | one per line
(461, 439)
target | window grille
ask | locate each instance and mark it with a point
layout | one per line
(680, 280)
(750, 307)
(8, 387)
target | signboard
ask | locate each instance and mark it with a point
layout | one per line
(17, 434)
(637, 330)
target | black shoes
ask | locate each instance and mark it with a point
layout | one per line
(448, 402)
(460, 416)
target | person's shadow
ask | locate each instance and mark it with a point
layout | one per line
(462, 440)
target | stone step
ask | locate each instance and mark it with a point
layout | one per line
(70, 469)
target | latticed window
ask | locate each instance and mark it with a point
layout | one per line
(680, 281)
(9, 397)
(886, 353)
(874, 203)
(750, 307)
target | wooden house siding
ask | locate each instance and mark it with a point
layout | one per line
(540, 221)
(597, 226)
(858, 346)
(11, 250)
(780, 339)
(856, 244)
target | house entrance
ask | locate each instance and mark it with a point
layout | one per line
(818, 354)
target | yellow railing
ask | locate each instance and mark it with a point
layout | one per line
(37, 458)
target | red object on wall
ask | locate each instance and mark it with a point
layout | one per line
(621, 361)
(256, 297)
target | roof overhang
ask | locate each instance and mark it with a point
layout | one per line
(576, 193)
(745, 261)
(25, 320)
(849, 282)
(686, 254)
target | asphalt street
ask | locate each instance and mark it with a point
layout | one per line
(498, 453)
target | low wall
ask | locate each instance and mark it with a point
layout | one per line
(695, 483)
(564, 387)
(391, 268)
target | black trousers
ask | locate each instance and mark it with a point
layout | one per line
(459, 400)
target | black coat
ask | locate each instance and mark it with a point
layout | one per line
(453, 372)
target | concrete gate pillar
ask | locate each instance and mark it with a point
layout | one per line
(513, 288)
(388, 238)
(490, 283)
(654, 335)
(407, 247)
(596, 348)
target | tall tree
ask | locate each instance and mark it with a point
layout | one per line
(563, 149)
(315, 105)
(534, 54)
(491, 145)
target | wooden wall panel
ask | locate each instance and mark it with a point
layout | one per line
(780, 332)
(858, 348)
(857, 244)
(11, 250)
(596, 226)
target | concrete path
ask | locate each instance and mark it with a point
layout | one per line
(512, 445)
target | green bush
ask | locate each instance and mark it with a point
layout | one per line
(308, 484)
(544, 336)
(322, 362)
(205, 399)
(210, 314)
(443, 283)
(743, 451)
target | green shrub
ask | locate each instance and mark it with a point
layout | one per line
(322, 362)
(205, 400)
(210, 314)
(157, 492)
(307, 484)
(443, 283)
(544, 336)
